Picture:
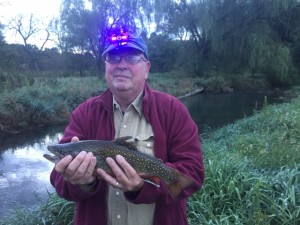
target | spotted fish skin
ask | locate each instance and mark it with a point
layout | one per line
(145, 165)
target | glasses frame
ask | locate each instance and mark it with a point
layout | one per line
(126, 58)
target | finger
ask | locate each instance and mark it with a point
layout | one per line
(133, 182)
(91, 166)
(89, 176)
(61, 166)
(117, 171)
(75, 139)
(74, 165)
(84, 165)
(108, 178)
(126, 167)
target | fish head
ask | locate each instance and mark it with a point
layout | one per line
(59, 151)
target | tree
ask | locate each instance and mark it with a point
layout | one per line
(86, 29)
(2, 41)
(27, 29)
(161, 53)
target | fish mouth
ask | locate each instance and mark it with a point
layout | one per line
(56, 157)
(52, 158)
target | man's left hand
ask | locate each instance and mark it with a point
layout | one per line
(125, 177)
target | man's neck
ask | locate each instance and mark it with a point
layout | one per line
(125, 100)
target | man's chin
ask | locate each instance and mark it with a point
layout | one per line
(122, 88)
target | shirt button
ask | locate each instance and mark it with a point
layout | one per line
(118, 216)
(124, 125)
(117, 193)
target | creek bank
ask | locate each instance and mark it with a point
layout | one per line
(195, 92)
(6, 129)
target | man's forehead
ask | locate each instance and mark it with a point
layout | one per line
(124, 51)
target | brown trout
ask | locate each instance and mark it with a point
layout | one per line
(148, 167)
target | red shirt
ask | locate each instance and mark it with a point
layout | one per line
(176, 142)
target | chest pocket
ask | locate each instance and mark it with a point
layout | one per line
(145, 143)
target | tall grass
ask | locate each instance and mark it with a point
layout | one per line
(12, 80)
(55, 211)
(46, 101)
(252, 171)
(174, 83)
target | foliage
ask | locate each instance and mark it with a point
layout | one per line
(11, 81)
(28, 102)
(54, 211)
(236, 193)
(194, 37)
(1, 34)
(47, 101)
(173, 83)
(252, 171)
(85, 29)
(270, 138)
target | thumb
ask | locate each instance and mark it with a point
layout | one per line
(75, 139)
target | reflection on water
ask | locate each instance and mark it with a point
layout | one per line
(211, 111)
(24, 172)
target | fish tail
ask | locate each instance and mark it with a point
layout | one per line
(182, 182)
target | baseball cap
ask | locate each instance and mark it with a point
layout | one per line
(125, 40)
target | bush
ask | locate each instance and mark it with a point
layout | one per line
(48, 101)
(11, 81)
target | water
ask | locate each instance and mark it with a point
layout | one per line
(24, 173)
(211, 111)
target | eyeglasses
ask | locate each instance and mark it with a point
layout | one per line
(130, 59)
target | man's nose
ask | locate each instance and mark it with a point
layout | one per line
(122, 62)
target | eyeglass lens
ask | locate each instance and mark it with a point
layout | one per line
(131, 59)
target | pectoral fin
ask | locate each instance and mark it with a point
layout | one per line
(151, 179)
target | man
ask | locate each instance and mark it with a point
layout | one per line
(162, 127)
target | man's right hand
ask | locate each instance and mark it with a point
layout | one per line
(78, 170)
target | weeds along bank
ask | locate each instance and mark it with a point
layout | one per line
(252, 171)
(252, 175)
(44, 102)
(30, 102)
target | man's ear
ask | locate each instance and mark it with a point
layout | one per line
(148, 66)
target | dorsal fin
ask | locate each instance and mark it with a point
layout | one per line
(128, 144)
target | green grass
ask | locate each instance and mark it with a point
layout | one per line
(47, 101)
(252, 171)
(52, 212)
(174, 83)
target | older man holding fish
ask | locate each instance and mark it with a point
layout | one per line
(154, 160)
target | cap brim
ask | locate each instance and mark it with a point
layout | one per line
(128, 45)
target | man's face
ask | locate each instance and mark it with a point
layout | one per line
(128, 73)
